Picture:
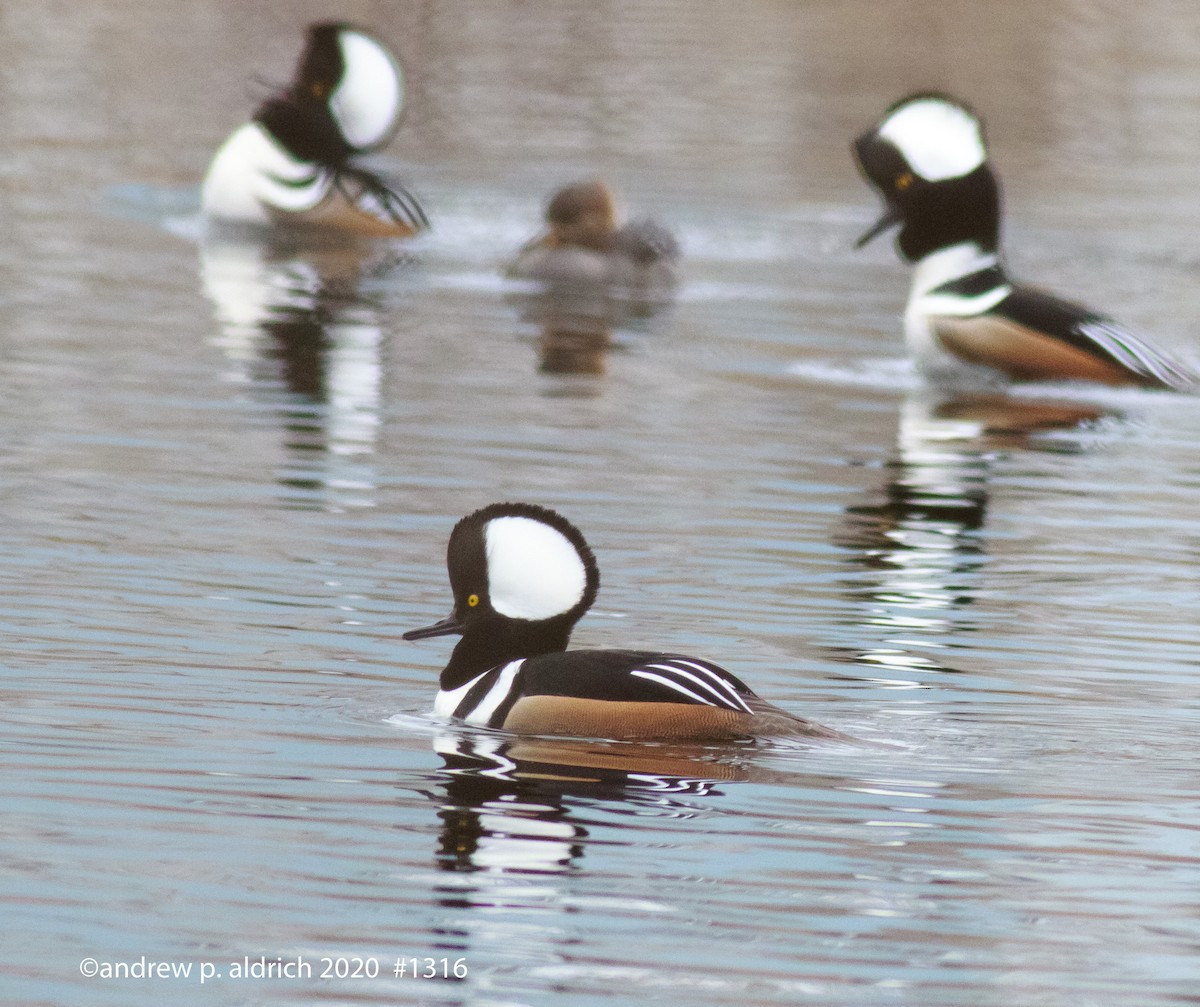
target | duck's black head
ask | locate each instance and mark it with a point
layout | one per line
(346, 96)
(522, 576)
(928, 161)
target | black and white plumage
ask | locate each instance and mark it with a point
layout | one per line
(292, 164)
(522, 576)
(618, 675)
(966, 321)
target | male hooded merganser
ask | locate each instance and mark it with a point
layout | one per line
(291, 164)
(966, 320)
(522, 576)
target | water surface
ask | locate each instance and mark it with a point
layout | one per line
(228, 474)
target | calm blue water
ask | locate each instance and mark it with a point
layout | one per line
(227, 475)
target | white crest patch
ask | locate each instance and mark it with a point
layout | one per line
(534, 572)
(368, 99)
(938, 140)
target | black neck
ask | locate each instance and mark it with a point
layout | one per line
(494, 642)
(941, 214)
(305, 128)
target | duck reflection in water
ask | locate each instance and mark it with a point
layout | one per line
(296, 325)
(508, 799)
(586, 275)
(919, 538)
(512, 833)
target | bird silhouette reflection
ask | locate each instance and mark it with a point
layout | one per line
(297, 328)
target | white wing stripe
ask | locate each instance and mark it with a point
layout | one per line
(962, 305)
(716, 677)
(672, 685)
(1111, 340)
(1129, 350)
(688, 676)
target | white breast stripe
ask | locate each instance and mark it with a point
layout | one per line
(294, 195)
(716, 677)
(495, 695)
(962, 306)
(672, 685)
(447, 701)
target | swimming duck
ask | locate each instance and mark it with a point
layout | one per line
(522, 576)
(292, 164)
(583, 244)
(967, 322)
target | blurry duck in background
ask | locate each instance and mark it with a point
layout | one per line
(590, 275)
(967, 323)
(583, 244)
(292, 164)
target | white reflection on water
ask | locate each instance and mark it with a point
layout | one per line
(199, 624)
(293, 318)
(508, 800)
(921, 537)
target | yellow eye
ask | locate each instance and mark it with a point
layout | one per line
(904, 181)
(472, 600)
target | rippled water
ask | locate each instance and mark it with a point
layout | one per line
(228, 474)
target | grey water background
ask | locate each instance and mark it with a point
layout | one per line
(228, 474)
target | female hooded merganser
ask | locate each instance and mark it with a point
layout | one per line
(966, 320)
(522, 576)
(590, 276)
(583, 244)
(291, 165)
